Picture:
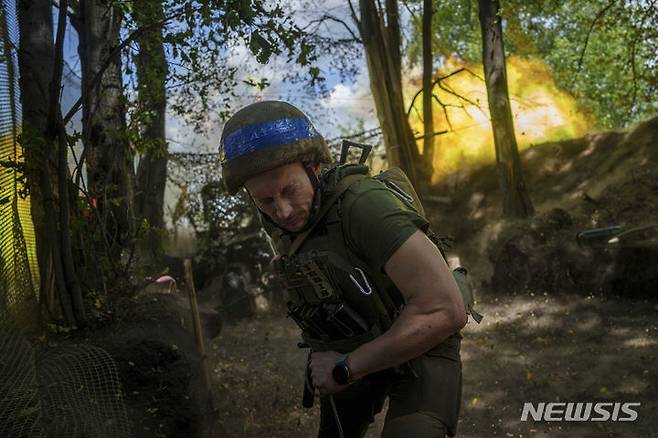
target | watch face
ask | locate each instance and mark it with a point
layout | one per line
(341, 374)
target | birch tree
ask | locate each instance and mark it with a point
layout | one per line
(516, 202)
(379, 28)
(152, 70)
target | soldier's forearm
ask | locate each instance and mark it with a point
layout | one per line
(414, 332)
(434, 308)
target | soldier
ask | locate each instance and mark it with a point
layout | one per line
(370, 290)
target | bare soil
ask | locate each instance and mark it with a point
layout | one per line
(529, 348)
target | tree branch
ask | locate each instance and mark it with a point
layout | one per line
(354, 16)
(431, 134)
(447, 89)
(117, 50)
(633, 54)
(445, 109)
(412, 13)
(327, 17)
(438, 80)
(58, 69)
(589, 32)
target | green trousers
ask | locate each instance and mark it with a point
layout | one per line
(424, 403)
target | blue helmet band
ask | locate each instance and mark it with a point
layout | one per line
(267, 134)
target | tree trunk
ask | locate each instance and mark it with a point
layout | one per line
(58, 138)
(110, 170)
(428, 118)
(35, 60)
(36, 63)
(152, 102)
(516, 202)
(381, 42)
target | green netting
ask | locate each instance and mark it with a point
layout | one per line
(20, 405)
(81, 393)
(18, 270)
(64, 391)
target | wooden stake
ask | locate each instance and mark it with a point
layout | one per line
(196, 320)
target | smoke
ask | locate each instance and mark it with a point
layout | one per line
(541, 113)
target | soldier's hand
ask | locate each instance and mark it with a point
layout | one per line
(322, 364)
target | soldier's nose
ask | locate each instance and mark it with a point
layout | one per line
(283, 210)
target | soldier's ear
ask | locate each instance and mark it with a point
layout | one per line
(316, 168)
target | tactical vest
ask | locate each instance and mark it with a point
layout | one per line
(337, 300)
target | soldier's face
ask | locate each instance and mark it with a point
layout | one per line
(285, 194)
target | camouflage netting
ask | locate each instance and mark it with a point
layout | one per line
(201, 198)
(81, 393)
(20, 406)
(64, 391)
(226, 227)
(17, 254)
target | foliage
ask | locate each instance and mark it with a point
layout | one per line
(334, 36)
(199, 39)
(603, 52)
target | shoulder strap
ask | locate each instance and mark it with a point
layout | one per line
(340, 188)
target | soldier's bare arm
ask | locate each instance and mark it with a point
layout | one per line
(434, 308)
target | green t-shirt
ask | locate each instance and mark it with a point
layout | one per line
(376, 222)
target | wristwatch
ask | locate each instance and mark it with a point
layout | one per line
(341, 372)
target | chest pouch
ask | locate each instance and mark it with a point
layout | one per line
(307, 278)
(317, 303)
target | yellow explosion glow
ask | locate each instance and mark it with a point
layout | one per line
(10, 249)
(540, 110)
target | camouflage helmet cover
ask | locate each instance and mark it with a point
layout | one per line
(266, 135)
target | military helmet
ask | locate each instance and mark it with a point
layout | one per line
(266, 135)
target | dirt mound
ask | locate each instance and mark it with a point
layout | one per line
(156, 378)
(600, 180)
(543, 254)
(158, 367)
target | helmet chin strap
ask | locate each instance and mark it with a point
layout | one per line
(317, 194)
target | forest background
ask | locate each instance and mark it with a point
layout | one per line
(119, 105)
